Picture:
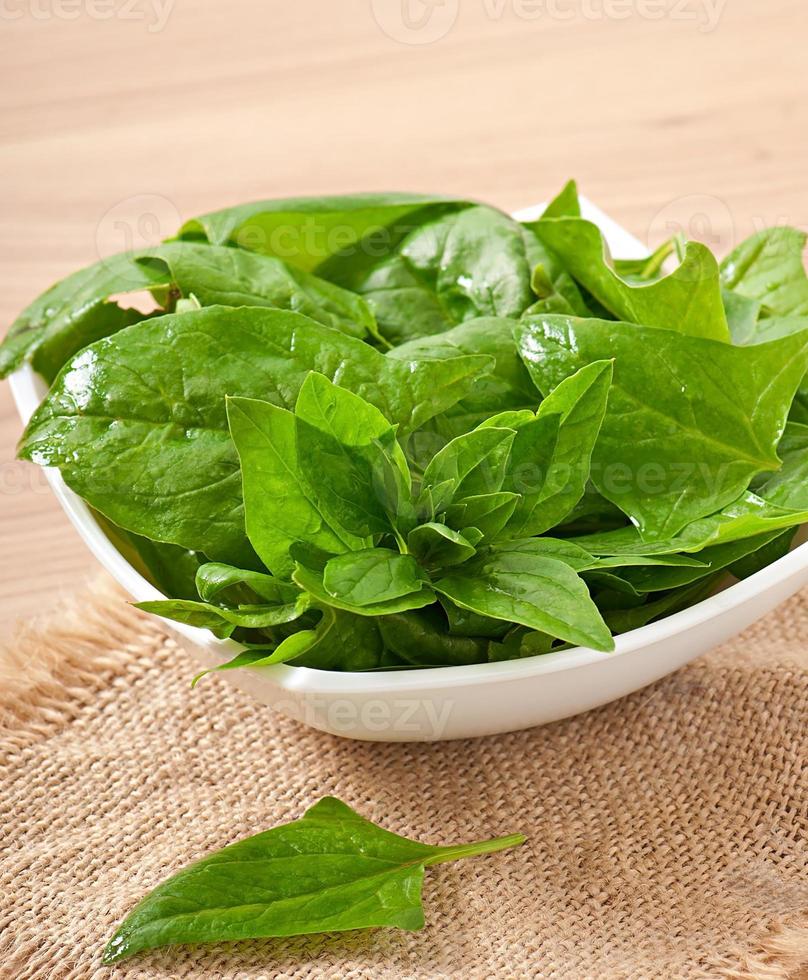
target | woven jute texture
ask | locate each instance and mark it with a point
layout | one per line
(667, 832)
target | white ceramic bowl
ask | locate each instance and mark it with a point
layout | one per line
(460, 702)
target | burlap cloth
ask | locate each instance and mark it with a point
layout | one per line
(667, 831)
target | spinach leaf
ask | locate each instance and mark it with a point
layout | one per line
(622, 620)
(470, 465)
(233, 598)
(507, 386)
(521, 643)
(329, 871)
(560, 295)
(436, 545)
(788, 487)
(657, 578)
(592, 513)
(462, 622)
(745, 517)
(688, 300)
(565, 204)
(81, 308)
(540, 592)
(774, 549)
(306, 231)
(488, 512)
(420, 639)
(768, 268)
(556, 548)
(280, 505)
(222, 620)
(233, 277)
(348, 453)
(549, 463)
(469, 263)
(779, 503)
(742, 317)
(216, 582)
(344, 642)
(311, 581)
(137, 423)
(680, 449)
(292, 647)
(372, 576)
(75, 312)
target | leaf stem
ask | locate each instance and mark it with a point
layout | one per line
(472, 850)
(657, 259)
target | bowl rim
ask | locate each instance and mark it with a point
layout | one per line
(28, 390)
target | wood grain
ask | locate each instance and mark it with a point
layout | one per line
(110, 130)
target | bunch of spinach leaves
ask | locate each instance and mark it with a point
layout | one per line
(392, 431)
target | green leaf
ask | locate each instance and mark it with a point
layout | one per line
(520, 643)
(660, 578)
(81, 308)
(788, 487)
(347, 451)
(773, 550)
(137, 423)
(551, 456)
(470, 465)
(329, 871)
(75, 312)
(233, 277)
(436, 545)
(558, 549)
(507, 386)
(222, 620)
(565, 204)
(464, 623)
(261, 657)
(468, 263)
(420, 639)
(238, 586)
(345, 642)
(750, 516)
(746, 517)
(742, 317)
(372, 576)
(560, 295)
(306, 231)
(540, 592)
(768, 268)
(488, 512)
(280, 507)
(312, 582)
(340, 641)
(633, 617)
(688, 300)
(678, 449)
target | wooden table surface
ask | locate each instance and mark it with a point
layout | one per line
(120, 116)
